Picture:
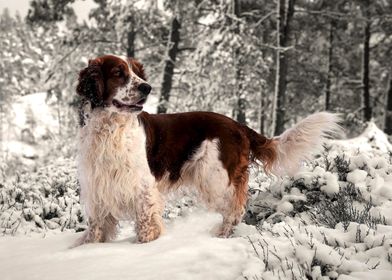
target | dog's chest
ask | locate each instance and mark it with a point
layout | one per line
(112, 161)
(113, 139)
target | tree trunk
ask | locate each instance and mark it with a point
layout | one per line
(388, 109)
(367, 109)
(168, 69)
(240, 115)
(262, 113)
(327, 96)
(131, 43)
(284, 16)
(263, 101)
(1, 120)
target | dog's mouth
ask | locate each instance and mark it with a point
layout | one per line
(138, 106)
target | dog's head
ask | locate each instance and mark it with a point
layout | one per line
(114, 81)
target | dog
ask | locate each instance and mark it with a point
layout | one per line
(128, 158)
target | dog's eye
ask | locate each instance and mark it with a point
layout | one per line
(117, 73)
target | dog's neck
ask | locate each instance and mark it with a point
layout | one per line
(89, 113)
(100, 116)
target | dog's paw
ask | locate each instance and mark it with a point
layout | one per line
(148, 234)
(225, 231)
(88, 237)
(80, 241)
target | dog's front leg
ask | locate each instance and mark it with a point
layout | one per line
(99, 230)
(149, 208)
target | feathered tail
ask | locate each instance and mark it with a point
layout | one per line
(283, 154)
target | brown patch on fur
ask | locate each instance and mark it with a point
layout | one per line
(241, 183)
(91, 85)
(138, 68)
(263, 149)
(236, 207)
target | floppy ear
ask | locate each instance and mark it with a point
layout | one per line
(91, 85)
(138, 68)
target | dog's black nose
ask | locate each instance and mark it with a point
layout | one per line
(144, 88)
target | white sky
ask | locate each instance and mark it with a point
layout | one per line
(82, 8)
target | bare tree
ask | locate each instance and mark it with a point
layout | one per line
(367, 109)
(131, 42)
(327, 95)
(241, 102)
(388, 109)
(285, 12)
(168, 69)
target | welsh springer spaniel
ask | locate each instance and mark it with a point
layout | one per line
(128, 158)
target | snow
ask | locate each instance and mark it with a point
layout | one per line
(332, 184)
(285, 207)
(366, 275)
(292, 250)
(306, 247)
(188, 250)
(31, 119)
(357, 176)
(378, 141)
(152, 103)
(33, 111)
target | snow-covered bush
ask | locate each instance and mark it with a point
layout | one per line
(48, 199)
(332, 218)
(42, 200)
(341, 209)
(349, 182)
(295, 249)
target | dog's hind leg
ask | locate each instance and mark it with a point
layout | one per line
(234, 208)
(149, 209)
(99, 231)
(223, 190)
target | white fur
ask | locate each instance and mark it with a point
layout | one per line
(300, 142)
(113, 168)
(205, 175)
(128, 91)
(205, 171)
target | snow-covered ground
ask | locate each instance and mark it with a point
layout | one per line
(187, 250)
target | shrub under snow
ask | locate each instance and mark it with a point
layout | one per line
(331, 219)
(42, 200)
